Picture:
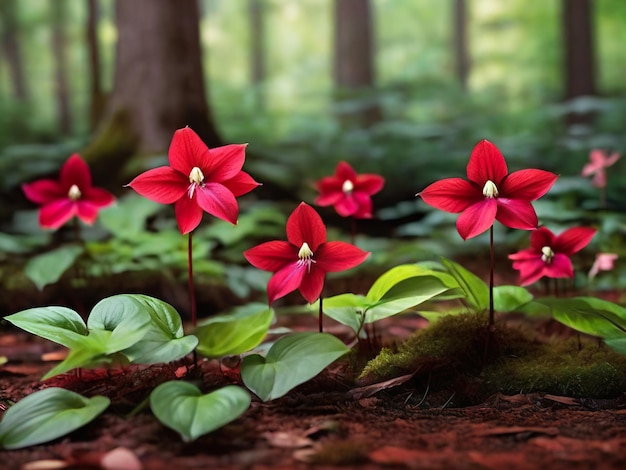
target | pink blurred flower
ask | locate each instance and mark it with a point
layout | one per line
(72, 195)
(599, 161)
(603, 262)
(549, 255)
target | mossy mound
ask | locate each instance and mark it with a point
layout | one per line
(460, 349)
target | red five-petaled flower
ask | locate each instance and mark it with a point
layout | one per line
(303, 261)
(492, 193)
(348, 192)
(72, 195)
(599, 161)
(549, 255)
(197, 180)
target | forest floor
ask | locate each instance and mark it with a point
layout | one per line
(327, 423)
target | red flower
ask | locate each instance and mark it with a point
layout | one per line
(197, 180)
(348, 192)
(599, 161)
(603, 262)
(492, 193)
(549, 255)
(303, 261)
(73, 195)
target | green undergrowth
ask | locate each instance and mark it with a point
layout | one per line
(451, 353)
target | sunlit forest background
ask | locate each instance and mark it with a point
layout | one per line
(422, 82)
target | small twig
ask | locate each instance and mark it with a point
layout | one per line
(448, 402)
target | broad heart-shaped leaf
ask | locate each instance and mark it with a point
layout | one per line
(291, 361)
(236, 332)
(476, 291)
(510, 298)
(46, 415)
(48, 267)
(348, 309)
(589, 315)
(398, 274)
(182, 407)
(164, 340)
(127, 320)
(58, 324)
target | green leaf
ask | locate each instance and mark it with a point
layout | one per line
(48, 268)
(510, 298)
(476, 291)
(124, 317)
(617, 344)
(394, 276)
(88, 355)
(347, 309)
(236, 332)
(58, 324)
(291, 361)
(182, 407)
(46, 415)
(127, 217)
(164, 340)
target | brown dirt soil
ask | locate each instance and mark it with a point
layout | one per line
(322, 424)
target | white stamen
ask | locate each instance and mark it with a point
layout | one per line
(348, 186)
(305, 254)
(196, 178)
(74, 193)
(547, 254)
(490, 189)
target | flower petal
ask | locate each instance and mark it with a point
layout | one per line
(312, 284)
(43, 191)
(365, 205)
(451, 195)
(242, 183)
(188, 214)
(218, 201)
(98, 197)
(305, 225)
(338, 256)
(87, 212)
(187, 151)
(164, 184)
(477, 218)
(560, 266)
(57, 213)
(225, 162)
(540, 238)
(75, 171)
(343, 172)
(573, 240)
(527, 185)
(531, 270)
(369, 183)
(271, 256)
(285, 281)
(486, 163)
(516, 214)
(329, 198)
(346, 206)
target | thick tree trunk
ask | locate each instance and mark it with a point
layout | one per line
(97, 98)
(257, 49)
(12, 50)
(59, 47)
(158, 83)
(460, 42)
(579, 50)
(354, 64)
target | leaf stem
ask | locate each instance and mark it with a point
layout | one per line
(491, 270)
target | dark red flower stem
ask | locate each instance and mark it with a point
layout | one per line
(353, 224)
(321, 316)
(492, 318)
(192, 292)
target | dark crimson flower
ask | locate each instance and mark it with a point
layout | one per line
(72, 195)
(549, 255)
(303, 261)
(348, 192)
(198, 180)
(490, 193)
(599, 161)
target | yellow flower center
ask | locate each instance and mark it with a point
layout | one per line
(196, 178)
(547, 254)
(490, 189)
(74, 193)
(347, 187)
(305, 254)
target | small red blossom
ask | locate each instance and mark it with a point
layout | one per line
(72, 195)
(599, 161)
(303, 260)
(549, 255)
(603, 262)
(348, 192)
(198, 180)
(490, 193)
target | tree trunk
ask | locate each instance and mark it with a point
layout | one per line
(158, 83)
(59, 47)
(97, 98)
(354, 67)
(461, 50)
(579, 50)
(12, 50)
(257, 50)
